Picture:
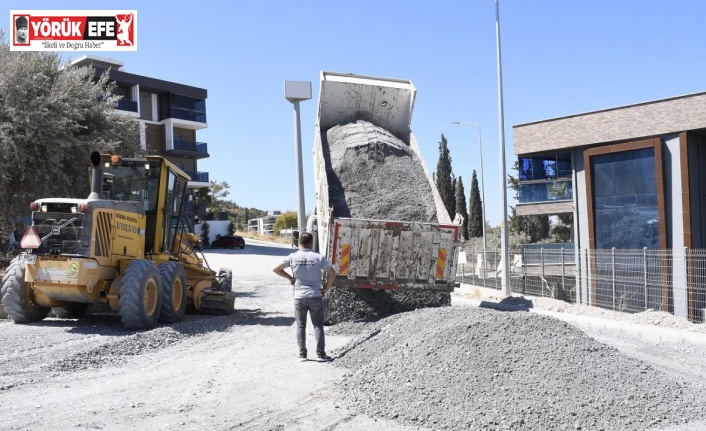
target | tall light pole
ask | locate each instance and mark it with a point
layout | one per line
(295, 92)
(482, 186)
(501, 119)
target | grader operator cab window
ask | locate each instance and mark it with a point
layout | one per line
(173, 208)
(133, 181)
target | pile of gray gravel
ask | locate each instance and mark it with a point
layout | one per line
(474, 368)
(349, 304)
(374, 175)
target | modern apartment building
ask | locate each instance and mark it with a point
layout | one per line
(169, 114)
(264, 225)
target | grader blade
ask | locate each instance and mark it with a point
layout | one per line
(217, 302)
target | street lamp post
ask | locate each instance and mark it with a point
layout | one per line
(504, 243)
(482, 186)
(295, 92)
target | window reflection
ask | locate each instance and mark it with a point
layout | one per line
(625, 200)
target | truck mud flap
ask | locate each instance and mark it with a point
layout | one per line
(214, 302)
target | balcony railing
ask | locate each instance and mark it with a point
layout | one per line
(126, 105)
(190, 146)
(201, 177)
(184, 114)
(546, 191)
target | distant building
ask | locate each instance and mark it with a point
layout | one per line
(264, 225)
(169, 114)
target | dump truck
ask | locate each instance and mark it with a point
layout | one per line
(377, 252)
(128, 245)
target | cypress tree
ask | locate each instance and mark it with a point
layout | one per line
(461, 206)
(475, 217)
(444, 177)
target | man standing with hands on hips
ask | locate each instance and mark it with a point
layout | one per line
(307, 267)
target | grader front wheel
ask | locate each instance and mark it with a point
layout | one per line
(17, 295)
(140, 295)
(173, 292)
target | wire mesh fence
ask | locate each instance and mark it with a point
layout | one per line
(622, 280)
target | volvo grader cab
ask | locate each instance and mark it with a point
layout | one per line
(128, 245)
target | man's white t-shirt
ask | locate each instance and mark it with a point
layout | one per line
(307, 268)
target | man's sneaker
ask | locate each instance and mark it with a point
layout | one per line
(323, 358)
(302, 357)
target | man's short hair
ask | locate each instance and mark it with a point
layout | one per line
(306, 239)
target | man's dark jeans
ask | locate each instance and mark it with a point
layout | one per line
(315, 308)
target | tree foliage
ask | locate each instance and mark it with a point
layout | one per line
(52, 116)
(444, 177)
(286, 220)
(475, 216)
(535, 228)
(461, 206)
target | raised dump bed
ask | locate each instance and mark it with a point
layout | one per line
(380, 219)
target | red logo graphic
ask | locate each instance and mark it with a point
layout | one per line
(125, 29)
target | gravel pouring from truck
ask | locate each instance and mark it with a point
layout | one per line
(379, 217)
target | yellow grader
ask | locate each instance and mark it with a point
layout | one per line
(127, 245)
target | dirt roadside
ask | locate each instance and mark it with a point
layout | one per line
(243, 375)
(213, 372)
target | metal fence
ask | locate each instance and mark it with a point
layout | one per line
(622, 280)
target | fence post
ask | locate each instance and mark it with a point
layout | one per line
(644, 266)
(589, 290)
(689, 312)
(563, 286)
(541, 263)
(612, 264)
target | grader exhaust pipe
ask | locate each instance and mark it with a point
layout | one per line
(96, 177)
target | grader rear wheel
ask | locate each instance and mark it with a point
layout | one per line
(140, 295)
(17, 295)
(173, 292)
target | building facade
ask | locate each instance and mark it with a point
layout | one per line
(169, 114)
(264, 225)
(634, 178)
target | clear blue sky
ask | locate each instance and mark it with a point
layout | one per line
(559, 58)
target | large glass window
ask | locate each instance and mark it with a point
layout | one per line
(625, 200)
(545, 167)
(545, 177)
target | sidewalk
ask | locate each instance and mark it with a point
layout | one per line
(469, 295)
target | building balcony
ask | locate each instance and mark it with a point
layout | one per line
(184, 114)
(194, 150)
(199, 177)
(546, 191)
(545, 198)
(126, 105)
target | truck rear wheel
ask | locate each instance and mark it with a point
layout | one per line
(225, 280)
(140, 295)
(17, 295)
(70, 311)
(173, 292)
